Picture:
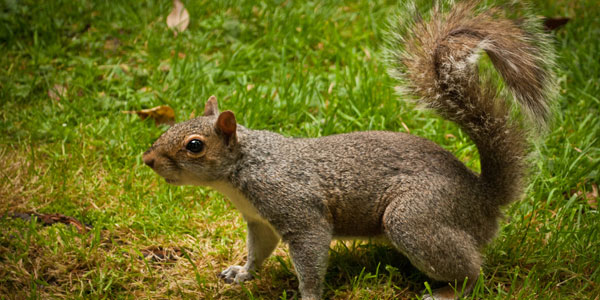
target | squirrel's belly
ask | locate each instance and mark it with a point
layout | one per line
(352, 222)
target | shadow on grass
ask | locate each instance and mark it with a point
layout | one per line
(357, 270)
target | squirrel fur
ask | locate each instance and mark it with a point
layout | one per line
(402, 188)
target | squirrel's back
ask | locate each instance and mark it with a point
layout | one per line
(354, 176)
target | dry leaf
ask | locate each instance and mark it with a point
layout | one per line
(49, 219)
(161, 114)
(449, 136)
(57, 91)
(554, 23)
(179, 18)
(330, 89)
(249, 87)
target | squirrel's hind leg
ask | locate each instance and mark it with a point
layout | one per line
(441, 252)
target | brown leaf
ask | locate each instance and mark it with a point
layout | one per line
(161, 114)
(49, 219)
(554, 23)
(57, 91)
(158, 253)
(179, 18)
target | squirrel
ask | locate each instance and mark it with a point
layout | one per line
(377, 184)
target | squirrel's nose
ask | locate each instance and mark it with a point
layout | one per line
(148, 160)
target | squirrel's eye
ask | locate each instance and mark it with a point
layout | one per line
(195, 146)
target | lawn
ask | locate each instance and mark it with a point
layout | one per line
(69, 68)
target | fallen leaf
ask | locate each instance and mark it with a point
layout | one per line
(49, 219)
(179, 18)
(449, 136)
(249, 87)
(554, 23)
(161, 114)
(193, 114)
(57, 91)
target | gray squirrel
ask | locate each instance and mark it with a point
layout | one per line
(399, 187)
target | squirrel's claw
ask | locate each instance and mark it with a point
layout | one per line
(235, 274)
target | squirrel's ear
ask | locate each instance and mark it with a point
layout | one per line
(211, 108)
(226, 124)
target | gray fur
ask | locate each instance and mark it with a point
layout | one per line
(406, 189)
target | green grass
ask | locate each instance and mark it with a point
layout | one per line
(299, 68)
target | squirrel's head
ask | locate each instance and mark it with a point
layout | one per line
(198, 151)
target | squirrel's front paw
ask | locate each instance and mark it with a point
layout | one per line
(235, 274)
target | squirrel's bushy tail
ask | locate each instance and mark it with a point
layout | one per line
(436, 56)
